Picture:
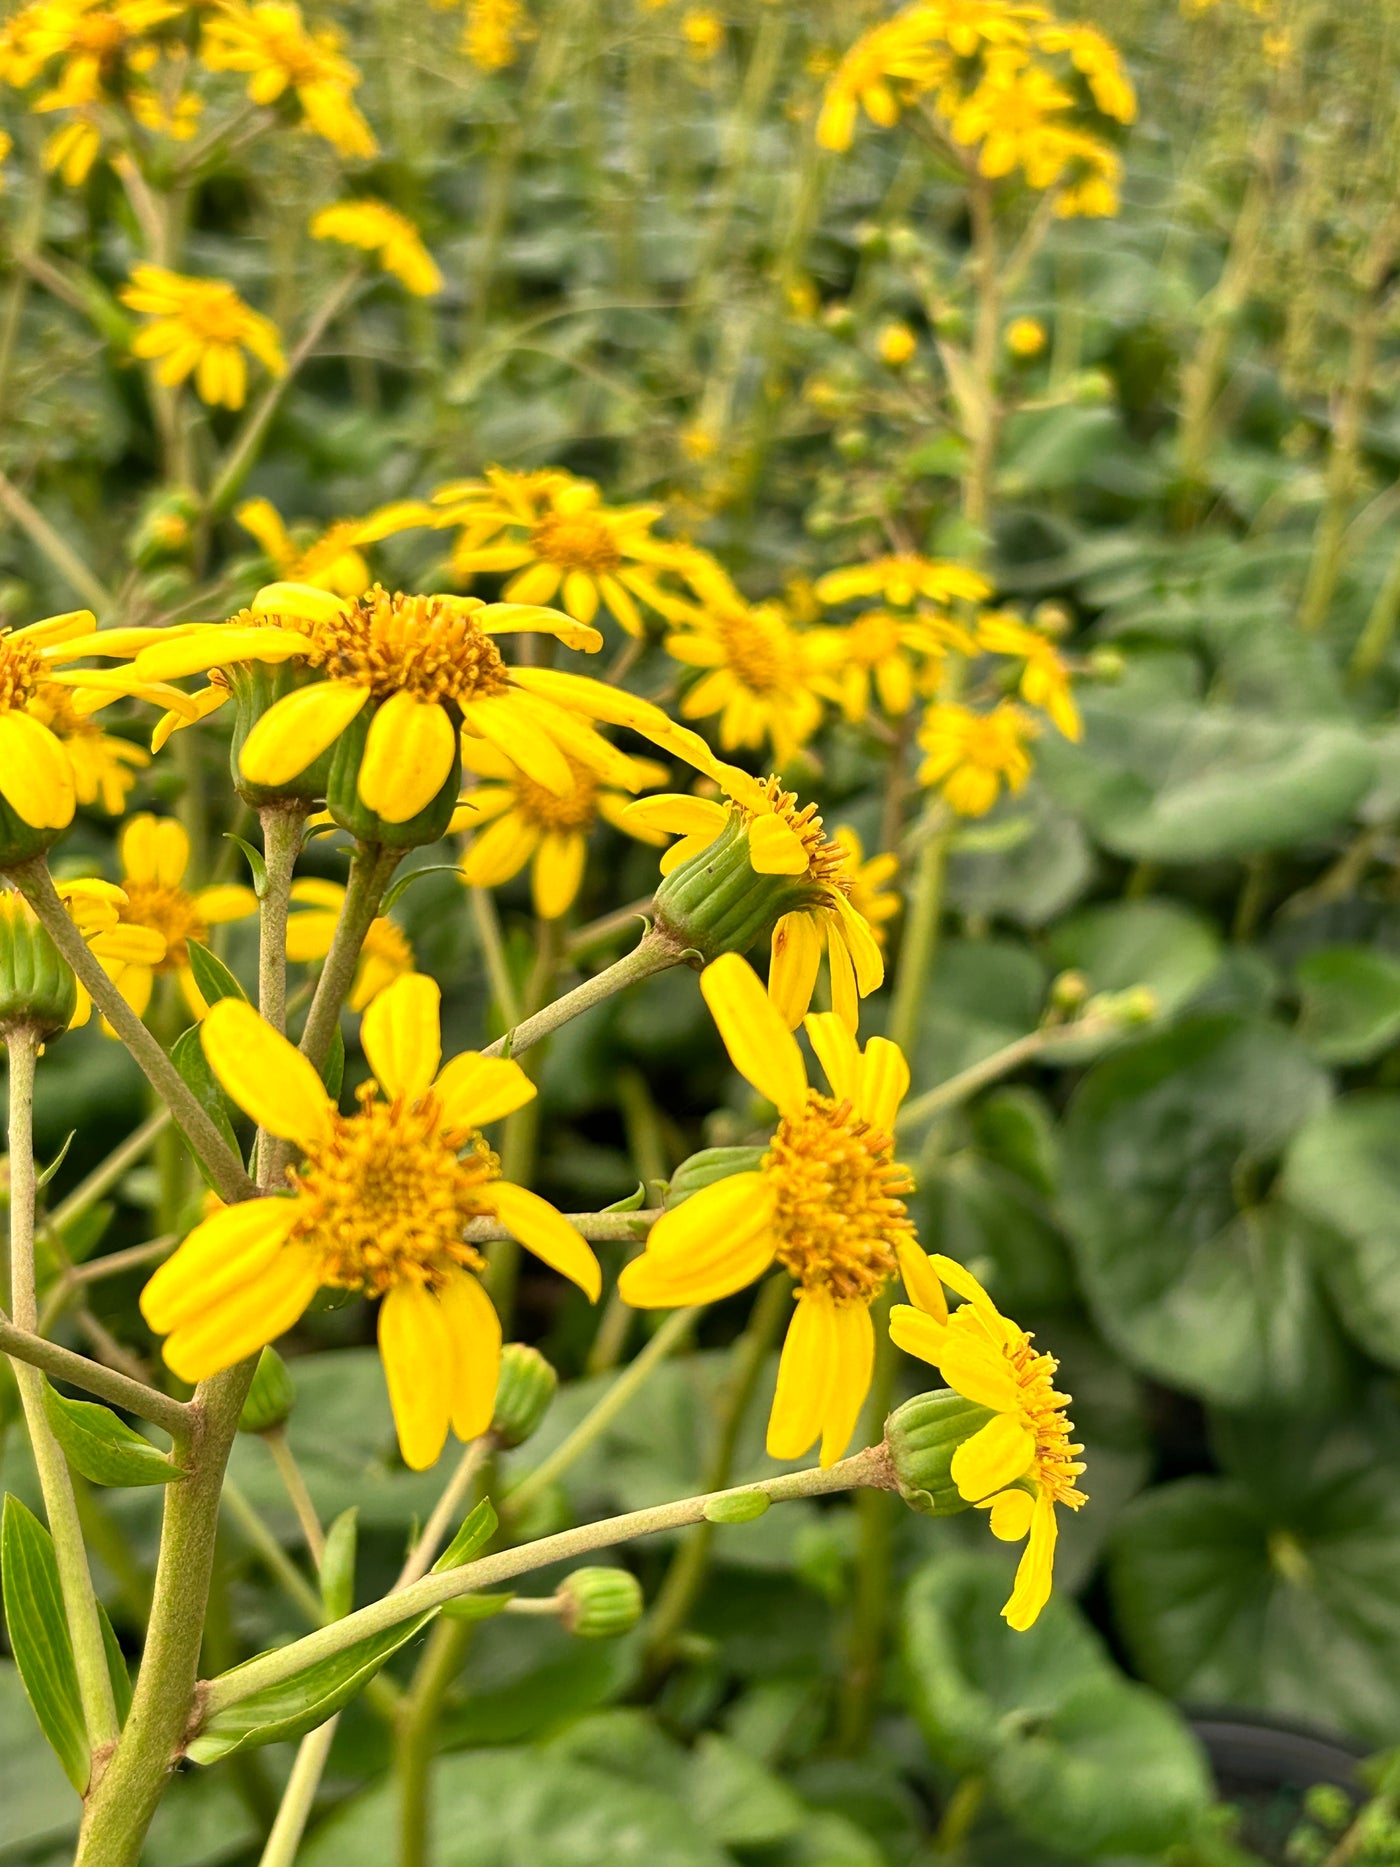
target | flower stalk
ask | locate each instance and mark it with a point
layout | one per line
(657, 951)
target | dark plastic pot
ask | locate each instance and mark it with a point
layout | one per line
(1266, 1766)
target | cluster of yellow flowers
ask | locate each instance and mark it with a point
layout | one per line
(1009, 87)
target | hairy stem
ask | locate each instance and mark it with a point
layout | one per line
(420, 1557)
(655, 952)
(370, 869)
(281, 826)
(109, 1384)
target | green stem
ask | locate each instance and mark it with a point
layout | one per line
(60, 1505)
(1374, 641)
(454, 1493)
(948, 1095)
(685, 1577)
(598, 1227)
(597, 1420)
(270, 1553)
(920, 943)
(875, 1514)
(299, 1797)
(104, 1176)
(655, 952)
(488, 929)
(871, 1467)
(370, 869)
(281, 826)
(294, 1484)
(414, 1740)
(147, 1403)
(56, 549)
(225, 1170)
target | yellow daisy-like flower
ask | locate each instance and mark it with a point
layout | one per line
(201, 327)
(1008, 116)
(900, 581)
(524, 822)
(425, 665)
(1097, 60)
(1044, 679)
(376, 228)
(1025, 337)
(897, 57)
(826, 1203)
(869, 896)
(385, 955)
(973, 755)
(270, 43)
(104, 767)
(884, 656)
(94, 907)
(493, 32)
(756, 675)
(703, 33)
(553, 536)
(379, 1204)
(154, 854)
(1022, 1463)
(335, 560)
(784, 839)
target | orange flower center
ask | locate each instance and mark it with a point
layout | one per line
(760, 650)
(577, 811)
(1056, 1463)
(213, 314)
(873, 638)
(21, 671)
(170, 911)
(576, 542)
(431, 646)
(839, 1212)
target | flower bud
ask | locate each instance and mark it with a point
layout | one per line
(351, 813)
(524, 1391)
(921, 1437)
(270, 1398)
(37, 989)
(709, 1165)
(1107, 664)
(164, 530)
(1137, 1005)
(718, 903)
(1068, 991)
(600, 1604)
(896, 343)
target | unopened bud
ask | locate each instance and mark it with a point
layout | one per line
(921, 1437)
(525, 1388)
(36, 988)
(1107, 664)
(165, 529)
(1068, 991)
(719, 903)
(1138, 1005)
(600, 1604)
(270, 1398)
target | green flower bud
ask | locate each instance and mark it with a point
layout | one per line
(601, 1604)
(1107, 664)
(1138, 1005)
(1068, 991)
(36, 988)
(524, 1391)
(718, 903)
(345, 805)
(164, 530)
(270, 1398)
(710, 1164)
(921, 1437)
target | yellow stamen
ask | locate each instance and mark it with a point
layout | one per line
(839, 1218)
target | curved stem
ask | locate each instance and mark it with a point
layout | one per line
(454, 1493)
(299, 1797)
(109, 1384)
(655, 952)
(294, 1485)
(370, 869)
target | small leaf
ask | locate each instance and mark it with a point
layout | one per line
(48, 1173)
(101, 1447)
(39, 1638)
(255, 863)
(333, 1075)
(395, 894)
(211, 975)
(474, 1607)
(742, 1507)
(477, 1528)
(288, 1711)
(338, 1565)
(116, 1666)
(633, 1202)
(187, 1054)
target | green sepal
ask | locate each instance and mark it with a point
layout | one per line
(271, 1397)
(922, 1437)
(103, 1448)
(256, 865)
(256, 688)
(36, 987)
(213, 978)
(718, 902)
(19, 841)
(474, 1607)
(740, 1507)
(343, 793)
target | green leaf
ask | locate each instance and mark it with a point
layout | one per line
(117, 1669)
(42, 1179)
(288, 1711)
(983, 995)
(39, 1638)
(187, 1054)
(1069, 1747)
(102, 1447)
(733, 1798)
(211, 975)
(707, 1167)
(1351, 1003)
(337, 1567)
(256, 865)
(1343, 1170)
(397, 890)
(477, 1528)
(1196, 1269)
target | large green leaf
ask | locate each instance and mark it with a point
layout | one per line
(1343, 1169)
(102, 1447)
(39, 1637)
(1068, 1746)
(1351, 1002)
(1197, 1270)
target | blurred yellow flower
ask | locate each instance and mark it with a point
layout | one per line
(755, 675)
(1022, 1463)
(703, 33)
(826, 1203)
(379, 1205)
(901, 580)
(1025, 337)
(333, 561)
(882, 655)
(1045, 681)
(971, 756)
(104, 767)
(376, 228)
(868, 895)
(269, 42)
(900, 54)
(493, 32)
(385, 956)
(1096, 59)
(896, 343)
(200, 327)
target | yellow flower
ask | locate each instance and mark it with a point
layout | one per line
(94, 907)
(334, 560)
(524, 822)
(154, 853)
(555, 538)
(868, 894)
(1091, 179)
(784, 839)
(1025, 337)
(270, 43)
(1022, 1463)
(1044, 679)
(6, 145)
(703, 33)
(425, 665)
(896, 343)
(900, 54)
(1009, 114)
(385, 956)
(104, 767)
(380, 1204)
(201, 327)
(493, 32)
(901, 580)
(377, 228)
(972, 755)
(826, 1203)
(883, 650)
(1097, 59)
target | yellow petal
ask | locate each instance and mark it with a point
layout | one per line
(246, 1318)
(676, 814)
(864, 948)
(319, 892)
(557, 872)
(501, 850)
(222, 1252)
(475, 1090)
(215, 647)
(959, 1278)
(884, 1083)
(296, 730)
(805, 1372)
(709, 1240)
(775, 848)
(837, 1052)
(1010, 1514)
(854, 1336)
(918, 1333)
(155, 850)
(301, 600)
(309, 936)
(1036, 1569)
(996, 1456)
(36, 777)
(520, 737)
(845, 1003)
(548, 1234)
(792, 970)
(760, 1045)
(228, 902)
(401, 1035)
(264, 1074)
(475, 1330)
(921, 1280)
(978, 1371)
(419, 1359)
(410, 750)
